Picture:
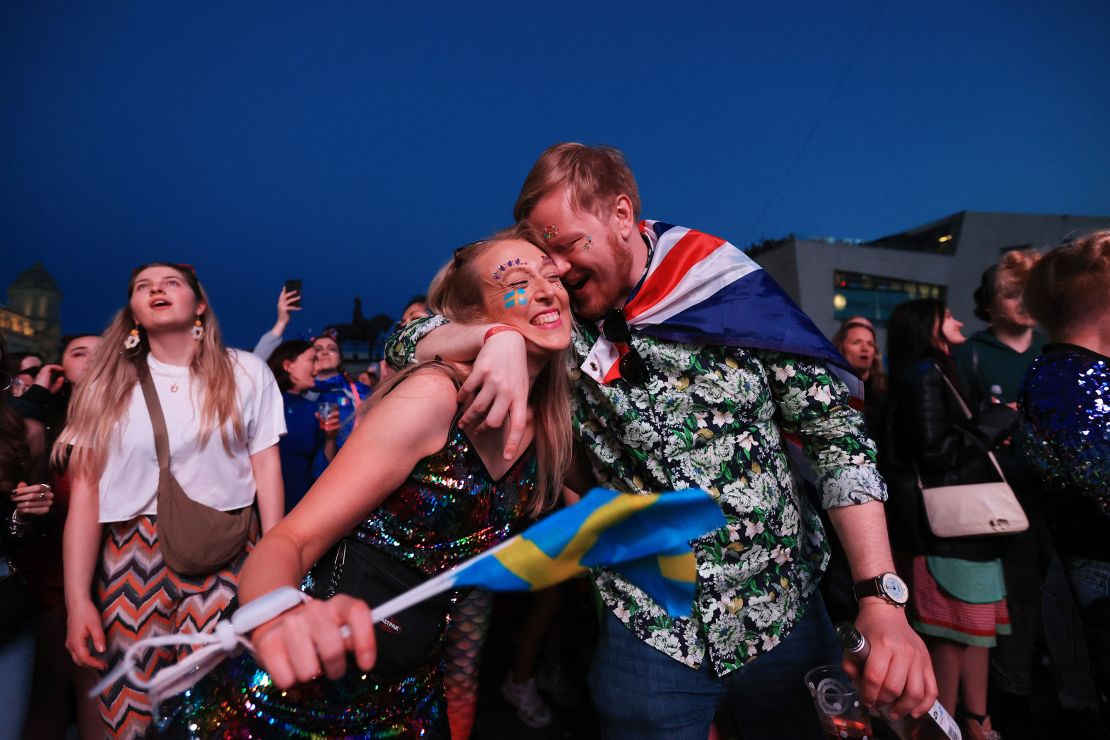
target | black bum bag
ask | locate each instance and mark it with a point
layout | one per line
(405, 641)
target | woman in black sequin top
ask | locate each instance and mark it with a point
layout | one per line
(1065, 402)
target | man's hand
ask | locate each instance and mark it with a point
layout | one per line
(898, 671)
(498, 386)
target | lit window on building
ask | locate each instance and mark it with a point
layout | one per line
(875, 296)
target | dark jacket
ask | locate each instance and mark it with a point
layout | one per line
(924, 426)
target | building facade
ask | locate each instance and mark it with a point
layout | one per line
(31, 320)
(362, 342)
(834, 279)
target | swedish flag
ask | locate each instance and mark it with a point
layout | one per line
(644, 538)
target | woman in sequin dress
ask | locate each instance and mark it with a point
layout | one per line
(957, 589)
(1067, 422)
(411, 485)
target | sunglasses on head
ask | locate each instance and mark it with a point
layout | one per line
(615, 329)
(460, 253)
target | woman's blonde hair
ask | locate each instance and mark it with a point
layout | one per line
(101, 399)
(456, 293)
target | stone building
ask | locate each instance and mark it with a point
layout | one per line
(31, 319)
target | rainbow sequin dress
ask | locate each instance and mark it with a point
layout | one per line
(448, 510)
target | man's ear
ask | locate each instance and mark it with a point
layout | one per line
(624, 217)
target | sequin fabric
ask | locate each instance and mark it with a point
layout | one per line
(1065, 402)
(447, 510)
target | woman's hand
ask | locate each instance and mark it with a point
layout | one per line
(303, 643)
(32, 500)
(287, 303)
(51, 377)
(330, 425)
(83, 626)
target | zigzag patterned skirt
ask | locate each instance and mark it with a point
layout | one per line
(139, 596)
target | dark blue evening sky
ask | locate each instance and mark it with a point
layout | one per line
(355, 144)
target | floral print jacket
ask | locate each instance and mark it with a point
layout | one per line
(717, 418)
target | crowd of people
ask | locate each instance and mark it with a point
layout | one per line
(159, 480)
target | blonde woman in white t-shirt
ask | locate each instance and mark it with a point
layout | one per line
(224, 416)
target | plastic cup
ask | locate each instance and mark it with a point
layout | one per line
(325, 409)
(837, 701)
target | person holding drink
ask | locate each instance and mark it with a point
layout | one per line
(312, 428)
(334, 385)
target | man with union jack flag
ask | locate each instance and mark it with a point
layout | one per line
(692, 368)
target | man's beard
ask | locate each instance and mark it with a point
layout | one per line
(613, 294)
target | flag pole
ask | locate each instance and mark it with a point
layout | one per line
(429, 588)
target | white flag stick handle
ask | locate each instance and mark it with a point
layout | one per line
(426, 590)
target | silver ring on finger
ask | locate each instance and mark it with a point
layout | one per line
(42, 495)
(44, 486)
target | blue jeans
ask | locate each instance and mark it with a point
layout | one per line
(1090, 580)
(17, 659)
(641, 693)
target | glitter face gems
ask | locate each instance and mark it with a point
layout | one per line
(588, 243)
(516, 297)
(503, 268)
(550, 232)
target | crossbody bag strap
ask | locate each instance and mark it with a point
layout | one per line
(355, 398)
(157, 418)
(967, 413)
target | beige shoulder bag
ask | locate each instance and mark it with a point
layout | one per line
(973, 509)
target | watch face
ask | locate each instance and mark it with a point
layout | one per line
(895, 588)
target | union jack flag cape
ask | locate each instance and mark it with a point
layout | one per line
(700, 289)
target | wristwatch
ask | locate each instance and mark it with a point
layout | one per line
(886, 586)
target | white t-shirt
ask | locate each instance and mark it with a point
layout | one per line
(129, 483)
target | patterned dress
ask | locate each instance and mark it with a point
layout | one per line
(448, 510)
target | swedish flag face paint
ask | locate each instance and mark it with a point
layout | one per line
(522, 289)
